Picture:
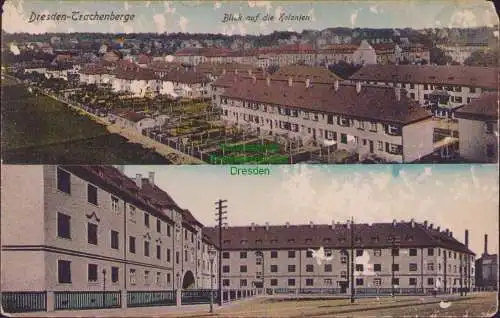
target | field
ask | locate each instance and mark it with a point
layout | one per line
(38, 129)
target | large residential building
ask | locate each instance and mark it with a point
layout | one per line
(461, 52)
(441, 89)
(73, 224)
(373, 121)
(409, 255)
(478, 129)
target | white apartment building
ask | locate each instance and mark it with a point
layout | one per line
(478, 129)
(440, 89)
(372, 121)
(409, 255)
(74, 228)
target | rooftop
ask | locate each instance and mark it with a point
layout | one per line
(485, 107)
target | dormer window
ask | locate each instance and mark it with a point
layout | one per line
(357, 239)
(409, 238)
(308, 240)
(342, 121)
(243, 242)
(375, 239)
(361, 124)
(342, 239)
(326, 240)
(393, 130)
(258, 241)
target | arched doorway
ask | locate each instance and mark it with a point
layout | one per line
(188, 280)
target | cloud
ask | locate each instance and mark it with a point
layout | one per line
(15, 20)
(311, 14)
(160, 23)
(464, 18)
(354, 16)
(375, 9)
(217, 5)
(125, 5)
(183, 22)
(147, 4)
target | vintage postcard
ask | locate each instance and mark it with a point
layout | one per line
(312, 241)
(249, 82)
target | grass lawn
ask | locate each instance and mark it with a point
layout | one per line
(42, 130)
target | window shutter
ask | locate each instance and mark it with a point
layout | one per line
(386, 147)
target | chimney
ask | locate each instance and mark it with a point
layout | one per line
(151, 177)
(254, 79)
(358, 87)
(252, 226)
(394, 222)
(397, 91)
(438, 228)
(412, 223)
(290, 81)
(308, 82)
(226, 226)
(268, 81)
(336, 85)
(451, 234)
(485, 244)
(138, 180)
(426, 224)
(267, 226)
(466, 238)
(311, 224)
(332, 226)
(431, 226)
(287, 225)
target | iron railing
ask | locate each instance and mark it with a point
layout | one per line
(67, 300)
(15, 302)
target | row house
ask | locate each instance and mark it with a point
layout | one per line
(478, 129)
(94, 73)
(439, 88)
(92, 225)
(372, 121)
(407, 255)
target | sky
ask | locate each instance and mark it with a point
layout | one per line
(207, 16)
(457, 197)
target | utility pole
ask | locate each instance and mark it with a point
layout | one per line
(352, 260)
(220, 214)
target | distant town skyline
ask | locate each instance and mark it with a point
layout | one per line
(207, 16)
(457, 197)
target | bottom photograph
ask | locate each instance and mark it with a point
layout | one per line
(249, 241)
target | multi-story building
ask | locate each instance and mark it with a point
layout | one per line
(408, 255)
(461, 52)
(441, 89)
(487, 269)
(370, 120)
(73, 228)
(478, 129)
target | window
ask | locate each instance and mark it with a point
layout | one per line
(168, 230)
(343, 138)
(359, 282)
(63, 225)
(426, 87)
(115, 205)
(177, 257)
(359, 252)
(225, 255)
(377, 252)
(393, 130)
(342, 121)
(291, 254)
(92, 194)
(472, 89)
(158, 278)
(373, 126)
(413, 252)
(146, 248)
(291, 282)
(343, 259)
(185, 256)
(359, 267)
(146, 277)
(243, 254)
(343, 274)
(274, 282)
(63, 181)
(92, 273)
(291, 268)
(114, 239)
(430, 281)
(309, 268)
(395, 252)
(158, 251)
(64, 272)
(146, 219)
(377, 267)
(243, 268)
(412, 95)
(114, 274)
(158, 226)
(490, 150)
(430, 251)
(169, 278)
(309, 282)
(132, 276)
(309, 254)
(413, 267)
(430, 266)
(328, 268)
(395, 281)
(274, 268)
(225, 269)
(377, 282)
(327, 281)
(192, 237)
(243, 283)
(225, 282)
(395, 267)
(131, 212)
(131, 244)
(92, 233)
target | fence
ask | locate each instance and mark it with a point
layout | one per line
(230, 295)
(201, 296)
(15, 302)
(151, 298)
(87, 300)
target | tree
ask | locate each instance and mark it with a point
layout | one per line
(483, 58)
(344, 69)
(439, 57)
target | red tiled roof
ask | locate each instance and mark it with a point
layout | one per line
(378, 235)
(372, 103)
(486, 77)
(485, 107)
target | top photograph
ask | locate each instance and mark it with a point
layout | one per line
(249, 82)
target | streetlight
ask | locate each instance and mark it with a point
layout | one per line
(104, 288)
(211, 257)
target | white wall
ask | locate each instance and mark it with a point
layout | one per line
(418, 140)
